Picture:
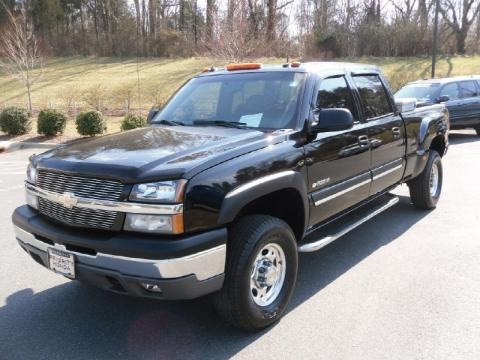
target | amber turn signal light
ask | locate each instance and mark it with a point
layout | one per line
(246, 66)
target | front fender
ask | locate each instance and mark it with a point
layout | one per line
(239, 197)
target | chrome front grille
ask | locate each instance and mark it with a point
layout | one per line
(99, 219)
(81, 187)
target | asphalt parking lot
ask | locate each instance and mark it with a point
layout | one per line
(406, 285)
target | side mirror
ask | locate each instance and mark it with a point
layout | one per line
(333, 120)
(443, 98)
(405, 104)
(153, 112)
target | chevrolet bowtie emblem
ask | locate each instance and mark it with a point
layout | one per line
(68, 200)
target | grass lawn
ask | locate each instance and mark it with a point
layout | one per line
(78, 83)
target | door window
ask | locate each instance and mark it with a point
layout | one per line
(373, 95)
(451, 90)
(335, 93)
(468, 89)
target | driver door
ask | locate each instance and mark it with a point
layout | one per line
(338, 162)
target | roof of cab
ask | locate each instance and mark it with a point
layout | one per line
(446, 80)
(315, 67)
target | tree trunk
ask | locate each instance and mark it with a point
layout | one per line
(271, 19)
(230, 13)
(143, 26)
(181, 15)
(139, 40)
(461, 37)
(209, 21)
(28, 85)
(84, 33)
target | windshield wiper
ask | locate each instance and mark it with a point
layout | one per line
(234, 124)
(169, 122)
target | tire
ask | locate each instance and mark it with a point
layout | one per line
(423, 193)
(242, 305)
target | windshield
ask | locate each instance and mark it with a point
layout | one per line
(266, 100)
(422, 92)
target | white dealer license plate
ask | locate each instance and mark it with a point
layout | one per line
(61, 262)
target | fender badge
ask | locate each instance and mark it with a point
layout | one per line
(320, 182)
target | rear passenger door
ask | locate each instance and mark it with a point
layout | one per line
(386, 131)
(470, 103)
(338, 162)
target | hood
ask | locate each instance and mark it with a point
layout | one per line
(153, 153)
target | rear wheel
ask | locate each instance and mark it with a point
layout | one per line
(477, 129)
(261, 272)
(426, 188)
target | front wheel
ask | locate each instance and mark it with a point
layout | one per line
(261, 272)
(426, 188)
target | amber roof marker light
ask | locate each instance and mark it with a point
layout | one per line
(245, 66)
(295, 64)
(208, 69)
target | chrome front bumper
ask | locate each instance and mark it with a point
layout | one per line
(203, 265)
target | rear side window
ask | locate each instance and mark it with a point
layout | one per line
(335, 93)
(468, 89)
(451, 90)
(373, 95)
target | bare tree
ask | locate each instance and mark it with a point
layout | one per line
(459, 15)
(21, 58)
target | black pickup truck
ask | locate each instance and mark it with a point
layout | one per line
(242, 169)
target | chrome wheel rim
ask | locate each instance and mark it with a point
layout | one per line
(267, 274)
(434, 180)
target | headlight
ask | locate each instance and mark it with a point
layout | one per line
(161, 224)
(31, 174)
(159, 192)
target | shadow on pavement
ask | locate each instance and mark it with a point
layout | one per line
(462, 138)
(75, 321)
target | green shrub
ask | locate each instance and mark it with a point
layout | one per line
(90, 123)
(133, 122)
(51, 122)
(15, 121)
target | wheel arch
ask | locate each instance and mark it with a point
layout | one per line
(439, 144)
(283, 195)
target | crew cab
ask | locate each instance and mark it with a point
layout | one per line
(243, 168)
(460, 94)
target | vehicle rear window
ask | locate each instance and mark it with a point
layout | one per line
(468, 89)
(335, 93)
(265, 100)
(373, 95)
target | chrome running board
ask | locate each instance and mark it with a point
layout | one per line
(349, 226)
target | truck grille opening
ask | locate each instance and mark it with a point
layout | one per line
(82, 187)
(99, 219)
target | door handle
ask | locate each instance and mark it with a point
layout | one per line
(363, 141)
(396, 132)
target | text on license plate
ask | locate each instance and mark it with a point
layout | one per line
(61, 262)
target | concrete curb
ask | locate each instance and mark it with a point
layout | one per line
(17, 145)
